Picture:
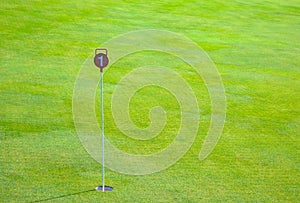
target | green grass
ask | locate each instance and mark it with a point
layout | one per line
(255, 46)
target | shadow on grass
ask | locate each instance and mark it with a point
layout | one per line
(62, 196)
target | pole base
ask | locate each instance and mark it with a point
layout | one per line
(104, 189)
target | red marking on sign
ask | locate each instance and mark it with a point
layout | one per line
(101, 60)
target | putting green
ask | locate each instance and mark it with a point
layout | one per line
(255, 47)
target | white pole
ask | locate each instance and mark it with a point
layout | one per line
(102, 127)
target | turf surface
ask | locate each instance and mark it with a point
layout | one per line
(255, 46)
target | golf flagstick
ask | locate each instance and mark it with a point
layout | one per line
(102, 127)
(101, 61)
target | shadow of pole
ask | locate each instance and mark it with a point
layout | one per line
(62, 196)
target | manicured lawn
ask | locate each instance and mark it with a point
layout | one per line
(255, 46)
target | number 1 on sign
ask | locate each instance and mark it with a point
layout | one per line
(101, 61)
